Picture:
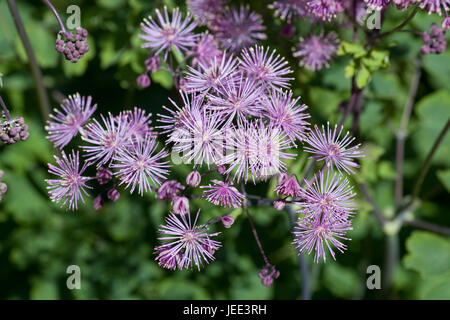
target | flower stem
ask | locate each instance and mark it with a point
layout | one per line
(5, 109)
(37, 75)
(429, 226)
(52, 8)
(400, 26)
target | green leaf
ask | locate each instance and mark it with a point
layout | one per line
(428, 253)
(363, 77)
(164, 78)
(444, 177)
(340, 280)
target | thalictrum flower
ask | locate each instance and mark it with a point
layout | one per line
(328, 145)
(206, 10)
(70, 185)
(223, 193)
(184, 243)
(168, 32)
(239, 28)
(288, 186)
(141, 164)
(66, 123)
(325, 9)
(169, 189)
(316, 51)
(205, 50)
(435, 6)
(284, 112)
(289, 9)
(268, 69)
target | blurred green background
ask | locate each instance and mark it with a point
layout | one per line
(113, 246)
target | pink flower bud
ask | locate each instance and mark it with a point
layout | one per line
(98, 203)
(143, 81)
(193, 179)
(180, 205)
(279, 204)
(221, 169)
(227, 221)
(113, 194)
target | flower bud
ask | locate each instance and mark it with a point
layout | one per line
(288, 31)
(227, 221)
(193, 179)
(221, 169)
(180, 205)
(103, 175)
(113, 194)
(143, 81)
(98, 203)
(279, 204)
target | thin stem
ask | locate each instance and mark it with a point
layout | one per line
(377, 212)
(391, 260)
(52, 8)
(302, 263)
(255, 234)
(399, 27)
(427, 164)
(401, 133)
(37, 75)
(5, 109)
(429, 226)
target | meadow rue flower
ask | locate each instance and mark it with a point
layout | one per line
(206, 10)
(205, 50)
(269, 69)
(326, 10)
(143, 80)
(223, 193)
(284, 112)
(180, 205)
(13, 130)
(169, 189)
(329, 146)
(239, 28)
(140, 164)
(289, 9)
(316, 51)
(446, 23)
(70, 185)
(328, 193)
(435, 6)
(227, 221)
(185, 244)
(319, 233)
(193, 179)
(138, 122)
(105, 139)
(168, 32)
(66, 123)
(201, 139)
(288, 186)
(237, 99)
(377, 4)
(212, 75)
(73, 45)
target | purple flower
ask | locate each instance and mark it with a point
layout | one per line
(206, 10)
(169, 189)
(284, 112)
(328, 194)
(317, 51)
(201, 139)
(288, 186)
(329, 147)
(184, 243)
(289, 9)
(98, 203)
(152, 63)
(279, 204)
(239, 28)
(193, 179)
(446, 23)
(377, 4)
(268, 70)
(143, 80)
(205, 50)
(318, 232)
(71, 185)
(140, 164)
(66, 123)
(212, 75)
(138, 123)
(180, 205)
(434, 40)
(107, 140)
(103, 175)
(168, 32)
(268, 274)
(227, 221)
(73, 46)
(113, 194)
(435, 6)
(325, 9)
(237, 99)
(223, 193)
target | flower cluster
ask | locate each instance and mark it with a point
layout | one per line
(73, 45)
(434, 40)
(11, 129)
(123, 149)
